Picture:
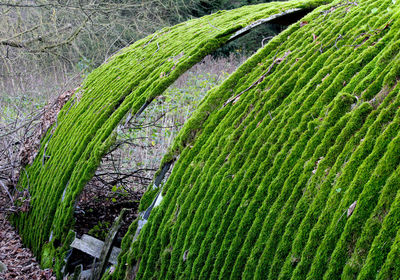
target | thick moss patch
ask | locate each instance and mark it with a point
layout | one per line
(273, 159)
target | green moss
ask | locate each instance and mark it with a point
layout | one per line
(148, 198)
(47, 258)
(84, 129)
(240, 196)
(261, 186)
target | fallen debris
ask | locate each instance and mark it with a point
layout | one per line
(19, 262)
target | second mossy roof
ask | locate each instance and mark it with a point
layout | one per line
(290, 169)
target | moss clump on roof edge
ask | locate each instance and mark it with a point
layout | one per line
(263, 185)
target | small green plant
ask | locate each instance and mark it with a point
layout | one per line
(100, 230)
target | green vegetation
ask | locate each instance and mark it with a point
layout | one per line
(263, 184)
(83, 133)
(289, 169)
(100, 230)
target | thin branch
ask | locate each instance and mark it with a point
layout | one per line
(213, 25)
(6, 191)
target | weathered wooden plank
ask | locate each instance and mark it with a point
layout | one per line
(107, 247)
(92, 246)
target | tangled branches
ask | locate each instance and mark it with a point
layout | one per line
(19, 143)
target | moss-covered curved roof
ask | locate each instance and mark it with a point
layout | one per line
(294, 170)
(128, 82)
(288, 170)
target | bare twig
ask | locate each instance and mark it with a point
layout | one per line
(367, 35)
(337, 39)
(213, 25)
(337, 6)
(6, 191)
(264, 39)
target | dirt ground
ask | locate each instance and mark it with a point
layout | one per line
(20, 262)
